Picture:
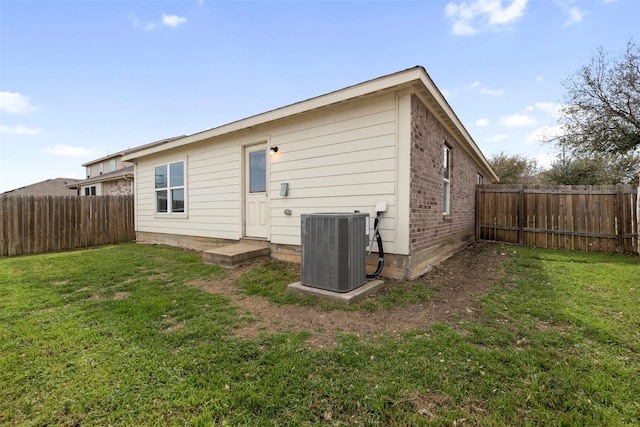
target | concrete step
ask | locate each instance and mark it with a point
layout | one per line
(235, 254)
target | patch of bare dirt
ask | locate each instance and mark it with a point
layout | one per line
(458, 282)
(120, 295)
(173, 325)
(558, 327)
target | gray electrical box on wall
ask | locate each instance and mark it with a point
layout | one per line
(334, 250)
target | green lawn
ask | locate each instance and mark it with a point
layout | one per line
(115, 336)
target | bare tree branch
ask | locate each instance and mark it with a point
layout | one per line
(602, 105)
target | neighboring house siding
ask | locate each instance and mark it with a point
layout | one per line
(93, 169)
(429, 228)
(98, 189)
(338, 159)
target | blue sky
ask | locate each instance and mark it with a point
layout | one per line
(81, 79)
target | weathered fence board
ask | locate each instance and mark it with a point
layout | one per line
(39, 224)
(601, 218)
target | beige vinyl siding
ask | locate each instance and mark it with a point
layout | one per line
(98, 186)
(338, 162)
(213, 193)
(337, 159)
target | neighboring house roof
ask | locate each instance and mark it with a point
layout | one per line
(50, 187)
(124, 173)
(132, 150)
(415, 78)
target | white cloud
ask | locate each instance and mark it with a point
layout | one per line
(517, 120)
(482, 122)
(539, 79)
(173, 20)
(545, 160)
(475, 86)
(19, 130)
(552, 108)
(14, 102)
(484, 90)
(474, 16)
(507, 15)
(69, 151)
(575, 15)
(545, 133)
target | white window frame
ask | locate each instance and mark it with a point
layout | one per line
(446, 180)
(170, 189)
(112, 165)
(101, 167)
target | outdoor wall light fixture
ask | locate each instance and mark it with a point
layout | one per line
(274, 150)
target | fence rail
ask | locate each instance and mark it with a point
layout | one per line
(39, 224)
(601, 218)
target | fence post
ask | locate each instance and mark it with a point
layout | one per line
(521, 217)
(619, 219)
(4, 238)
(638, 214)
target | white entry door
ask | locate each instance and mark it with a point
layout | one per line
(256, 197)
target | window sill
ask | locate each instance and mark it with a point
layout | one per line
(171, 216)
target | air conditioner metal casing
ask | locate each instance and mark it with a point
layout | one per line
(334, 250)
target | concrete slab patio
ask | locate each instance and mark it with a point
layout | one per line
(235, 254)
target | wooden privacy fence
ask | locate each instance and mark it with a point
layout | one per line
(600, 218)
(39, 224)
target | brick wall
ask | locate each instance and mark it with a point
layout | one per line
(428, 226)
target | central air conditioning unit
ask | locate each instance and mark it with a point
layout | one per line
(334, 250)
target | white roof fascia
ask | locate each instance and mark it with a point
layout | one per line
(442, 102)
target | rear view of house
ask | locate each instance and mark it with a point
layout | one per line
(393, 140)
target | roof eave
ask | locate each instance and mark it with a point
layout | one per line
(133, 150)
(395, 80)
(125, 173)
(462, 132)
(365, 88)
